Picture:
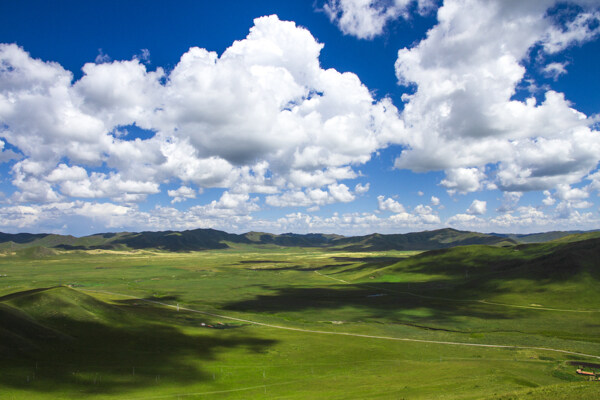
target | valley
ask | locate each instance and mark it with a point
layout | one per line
(268, 321)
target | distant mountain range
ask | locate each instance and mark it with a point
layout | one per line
(206, 239)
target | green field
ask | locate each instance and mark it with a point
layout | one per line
(267, 322)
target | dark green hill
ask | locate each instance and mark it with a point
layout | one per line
(427, 240)
(190, 240)
(99, 347)
(19, 333)
(484, 269)
(292, 239)
(23, 240)
(34, 319)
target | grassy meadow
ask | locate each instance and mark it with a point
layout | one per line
(267, 322)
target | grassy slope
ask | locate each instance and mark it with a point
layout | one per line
(579, 237)
(540, 237)
(107, 346)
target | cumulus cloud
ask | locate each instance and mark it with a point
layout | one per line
(312, 197)
(113, 186)
(230, 204)
(478, 207)
(421, 216)
(466, 221)
(389, 204)
(265, 117)
(571, 198)
(463, 180)
(426, 214)
(262, 117)
(463, 114)
(548, 200)
(181, 194)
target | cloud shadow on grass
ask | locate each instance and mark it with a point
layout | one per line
(102, 348)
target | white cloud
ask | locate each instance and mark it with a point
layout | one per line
(312, 197)
(595, 178)
(423, 210)
(580, 29)
(566, 192)
(556, 69)
(478, 207)
(101, 57)
(7, 155)
(120, 92)
(19, 216)
(113, 186)
(308, 198)
(426, 214)
(361, 189)
(509, 201)
(526, 216)
(366, 19)
(548, 200)
(389, 204)
(143, 56)
(341, 193)
(181, 194)
(32, 190)
(262, 117)
(463, 114)
(463, 180)
(318, 178)
(232, 213)
(423, 215)
(466, 221)
(65, 173)
(230, 204)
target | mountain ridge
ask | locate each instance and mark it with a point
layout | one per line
(211, 239)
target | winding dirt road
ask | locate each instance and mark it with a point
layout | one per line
(288, 328)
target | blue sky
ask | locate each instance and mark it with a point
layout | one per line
(345, 116)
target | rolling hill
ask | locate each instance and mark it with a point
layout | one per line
(427, 240)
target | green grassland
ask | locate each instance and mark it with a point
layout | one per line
(270, 322)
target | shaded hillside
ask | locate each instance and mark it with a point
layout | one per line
(23, 240)
(60, 329)
(190, 240)
(292, 239)
(427, 240)
(549, 261)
